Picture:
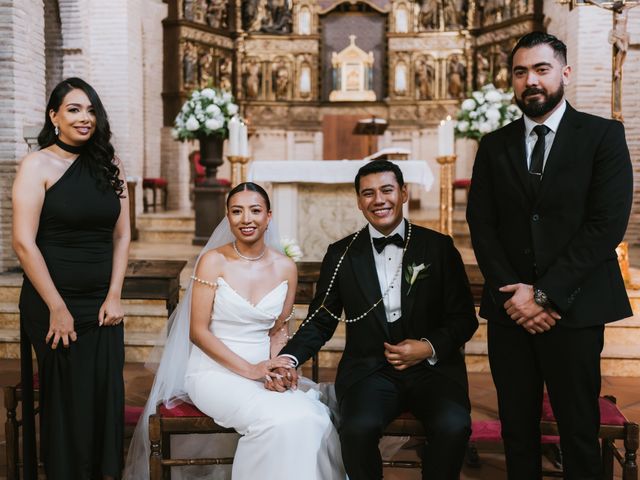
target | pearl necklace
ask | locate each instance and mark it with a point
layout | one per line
(244, 257)
(333, 277)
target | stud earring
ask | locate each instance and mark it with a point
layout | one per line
(56, 130)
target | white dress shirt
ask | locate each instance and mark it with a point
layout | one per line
(531, 137)
(387, 263)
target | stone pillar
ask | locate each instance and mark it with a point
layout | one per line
(22, 100)
(176, 169)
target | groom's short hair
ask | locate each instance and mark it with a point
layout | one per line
(378, 166)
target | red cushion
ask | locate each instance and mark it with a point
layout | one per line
(200, 170)
(181, 410)
(462, 183)
(153, 182)
(132, 414)
(486, 431)
(610, 414)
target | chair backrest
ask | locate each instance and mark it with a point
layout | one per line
(198, 172)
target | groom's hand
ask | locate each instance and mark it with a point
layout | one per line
(407, 353)
(287, 378)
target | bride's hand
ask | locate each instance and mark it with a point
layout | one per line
(263, 370)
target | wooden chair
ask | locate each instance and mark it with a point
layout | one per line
(461, 184)
(183, 419)
(613, 426)
(155, 185)
(12, 399)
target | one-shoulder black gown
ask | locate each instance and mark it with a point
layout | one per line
(81, 387)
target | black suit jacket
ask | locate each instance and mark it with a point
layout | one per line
(438, 307)
(563, 239)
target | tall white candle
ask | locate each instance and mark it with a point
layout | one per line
(244, 141)
(446, 137)
(234, 136)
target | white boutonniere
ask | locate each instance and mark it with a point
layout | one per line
(414, 273)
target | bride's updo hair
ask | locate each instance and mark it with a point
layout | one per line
(252, 187)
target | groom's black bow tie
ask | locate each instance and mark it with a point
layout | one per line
(381, 242)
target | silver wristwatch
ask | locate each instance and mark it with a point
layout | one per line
(541, 298)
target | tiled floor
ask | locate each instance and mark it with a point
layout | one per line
(483, 400)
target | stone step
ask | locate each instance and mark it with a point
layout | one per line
(166, 235)
(616, 360)
(10, 284)
(140, 316)
(137, 346)
(167, 221)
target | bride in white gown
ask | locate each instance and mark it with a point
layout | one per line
(218, 356)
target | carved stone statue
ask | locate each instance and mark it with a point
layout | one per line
(424, 80)
(501, 71)
(253, 14)
(278, 18)
(483, 69)
(189, 64)
(217, 13)
(252, 79)
(457, 75)
(280, 81)
(206, 69)
(199, 9)
(429, 14)
(492, 11)
(452, 15)
(225, 67)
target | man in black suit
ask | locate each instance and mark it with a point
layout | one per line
(409, 310)
(549, 202)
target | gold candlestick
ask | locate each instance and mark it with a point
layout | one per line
(239, 167)
(447, 167)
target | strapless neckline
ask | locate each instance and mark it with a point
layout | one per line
(222, 281)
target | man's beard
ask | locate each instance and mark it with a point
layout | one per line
(537, 109)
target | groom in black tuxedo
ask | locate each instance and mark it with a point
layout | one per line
(409, 310)
(549, 202)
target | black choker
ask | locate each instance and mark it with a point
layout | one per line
(68, 148)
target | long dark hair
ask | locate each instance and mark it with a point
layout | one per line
(252, 187)
(98, 151)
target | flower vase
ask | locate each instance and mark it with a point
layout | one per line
(211, 156)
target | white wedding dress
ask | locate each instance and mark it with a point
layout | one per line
(284, 436)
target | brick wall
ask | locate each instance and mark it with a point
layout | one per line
(22, 99)
(585, 30)
(74, 17)
(53, 49)
(152, 58)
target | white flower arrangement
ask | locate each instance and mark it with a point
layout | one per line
(485, 111)
(206, 112)
(292, 249)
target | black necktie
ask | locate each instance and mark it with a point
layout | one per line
(381, 242)
(537, 156)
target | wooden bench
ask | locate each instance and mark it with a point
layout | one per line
(146, 280)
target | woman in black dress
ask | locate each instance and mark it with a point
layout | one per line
(71, 235)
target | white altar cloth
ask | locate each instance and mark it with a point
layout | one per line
(330, 171)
